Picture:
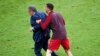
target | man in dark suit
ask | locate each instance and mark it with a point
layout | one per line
(40, 36)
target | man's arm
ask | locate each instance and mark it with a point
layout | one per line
(36, 27)
(45, 24)
(34, 24)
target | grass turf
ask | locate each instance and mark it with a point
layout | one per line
(82, 23)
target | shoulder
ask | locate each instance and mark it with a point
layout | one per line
(53, 14)
(42, 13)
(36, 16)
(56, 14)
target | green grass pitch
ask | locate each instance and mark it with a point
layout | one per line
(82, 23)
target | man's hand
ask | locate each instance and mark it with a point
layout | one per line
(38, 21)
(31, 29)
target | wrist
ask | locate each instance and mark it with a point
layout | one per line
(32, 28)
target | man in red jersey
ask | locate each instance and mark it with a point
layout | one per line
(56, 22)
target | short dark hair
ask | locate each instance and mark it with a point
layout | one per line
(50, 6)
(32, 8)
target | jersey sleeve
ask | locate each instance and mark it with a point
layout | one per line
(46, 23)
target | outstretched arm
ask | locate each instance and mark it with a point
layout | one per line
(44, 24)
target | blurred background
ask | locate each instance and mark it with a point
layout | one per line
(82, 23)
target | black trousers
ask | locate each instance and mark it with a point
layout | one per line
(42, 44)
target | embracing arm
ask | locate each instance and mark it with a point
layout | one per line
(45, 24)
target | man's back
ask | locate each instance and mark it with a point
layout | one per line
(58, 26)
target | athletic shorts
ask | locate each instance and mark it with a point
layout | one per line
(55, 44)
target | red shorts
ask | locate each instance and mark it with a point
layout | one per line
(55, 44)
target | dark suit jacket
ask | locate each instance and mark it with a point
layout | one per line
(38, 32)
